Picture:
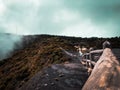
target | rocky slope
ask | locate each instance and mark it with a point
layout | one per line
(36, 52)
(70, 76)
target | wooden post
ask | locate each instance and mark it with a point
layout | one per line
(106, 73)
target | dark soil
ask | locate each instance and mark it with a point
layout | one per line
(70, 76)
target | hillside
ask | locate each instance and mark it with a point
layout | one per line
(36, 52)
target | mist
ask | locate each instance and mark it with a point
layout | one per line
(7, 44)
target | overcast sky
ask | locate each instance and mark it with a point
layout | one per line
(82, 18)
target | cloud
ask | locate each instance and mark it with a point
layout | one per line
(84, 29)
(101, 12)
(35, 16)
(55, 17)
(65, 16)
(2, 8)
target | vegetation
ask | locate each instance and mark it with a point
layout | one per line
(40, 51)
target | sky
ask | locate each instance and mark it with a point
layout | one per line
(80, 18)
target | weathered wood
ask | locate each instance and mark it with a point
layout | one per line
(89, 61)
(96, 51)
(92, 54)
(106, 73)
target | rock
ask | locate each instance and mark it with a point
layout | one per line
(52, 84)
(61, 75)
(47, 75)
(45, 84)
(56, 79)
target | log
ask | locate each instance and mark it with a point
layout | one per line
(106, 73)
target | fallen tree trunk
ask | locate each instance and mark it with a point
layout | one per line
(106, 73)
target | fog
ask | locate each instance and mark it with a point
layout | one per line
(7, 44)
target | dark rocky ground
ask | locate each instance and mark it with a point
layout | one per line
(71, 76)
